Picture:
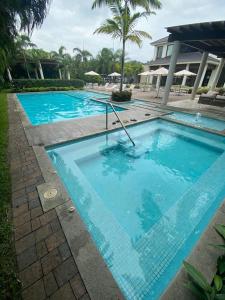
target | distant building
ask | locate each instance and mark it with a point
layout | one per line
(188, 59)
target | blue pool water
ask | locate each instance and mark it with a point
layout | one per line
(43, 108)
(145, 206)
(201, 121)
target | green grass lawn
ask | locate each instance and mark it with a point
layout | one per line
(9, 286)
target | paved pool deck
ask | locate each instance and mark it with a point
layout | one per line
(56, 257)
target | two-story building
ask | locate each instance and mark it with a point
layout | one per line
(188, 59)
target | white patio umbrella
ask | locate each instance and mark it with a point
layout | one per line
(114, 74)
(159, 72)
(146, 73)
(91, 73)
(184, 73)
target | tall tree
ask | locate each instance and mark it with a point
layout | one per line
(36, 55)
(18, 15)
(146, 4)
(83, 54)
(22, 43)
(59, 57)
(122, 26)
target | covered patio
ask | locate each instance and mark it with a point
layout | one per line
(208, 37)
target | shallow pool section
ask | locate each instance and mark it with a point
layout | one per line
(199, 120)
(44, 108)
(145, 206)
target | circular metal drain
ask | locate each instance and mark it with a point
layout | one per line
(51, 193)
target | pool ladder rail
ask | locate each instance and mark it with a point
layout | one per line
(123, 126)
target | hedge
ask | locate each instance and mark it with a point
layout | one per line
(41, 89)
(35, 83)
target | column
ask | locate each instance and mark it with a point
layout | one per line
(199, 75)
(203, 75)
(172, 67)
(60, 74)
(218, 73)
(9, 74)
(158, 81)
(185, 77)
(68, 74)
(40, 70)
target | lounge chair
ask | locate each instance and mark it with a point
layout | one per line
(88, 85)
(207, 98)
(212, 98)
(112, 88)
(102, 87)
(132, 86)
(95, 86)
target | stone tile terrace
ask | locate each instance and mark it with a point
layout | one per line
(46, 267)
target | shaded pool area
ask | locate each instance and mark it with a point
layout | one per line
(198, 120)
(45, 108)
(145, 206)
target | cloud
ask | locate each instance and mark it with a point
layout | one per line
(72, 22)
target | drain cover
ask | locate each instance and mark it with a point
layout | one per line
(51, 193)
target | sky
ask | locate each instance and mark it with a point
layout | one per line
(71, 23)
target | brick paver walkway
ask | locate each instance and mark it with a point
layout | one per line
(46, 267)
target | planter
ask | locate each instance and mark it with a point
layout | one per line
(123, 96)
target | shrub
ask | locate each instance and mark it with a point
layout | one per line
(121, 96)
(221, 91)
(93, 79)
(199, 285)
(202, 90)
(33, 83)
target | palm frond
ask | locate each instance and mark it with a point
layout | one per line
(134, 39)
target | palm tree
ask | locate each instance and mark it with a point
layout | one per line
(122, 26)
(21, 44)
(16, 16)
(83, 54)
(146, 4)
(59, 57)
(36, 55)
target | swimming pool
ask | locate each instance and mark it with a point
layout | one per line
(145, 206)
(44, 108)
(200, 121)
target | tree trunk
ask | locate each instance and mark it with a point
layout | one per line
(9, 74)
(122, 66)
(26, 66)
(123, 50)
(60, 74)
(36, 73)
(41, 70)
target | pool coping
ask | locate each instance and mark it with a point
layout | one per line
(96, 275)
(176, 285)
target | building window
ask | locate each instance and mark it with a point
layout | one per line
(169, 50)
(159, 52)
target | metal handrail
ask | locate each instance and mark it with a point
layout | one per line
(107, 120)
